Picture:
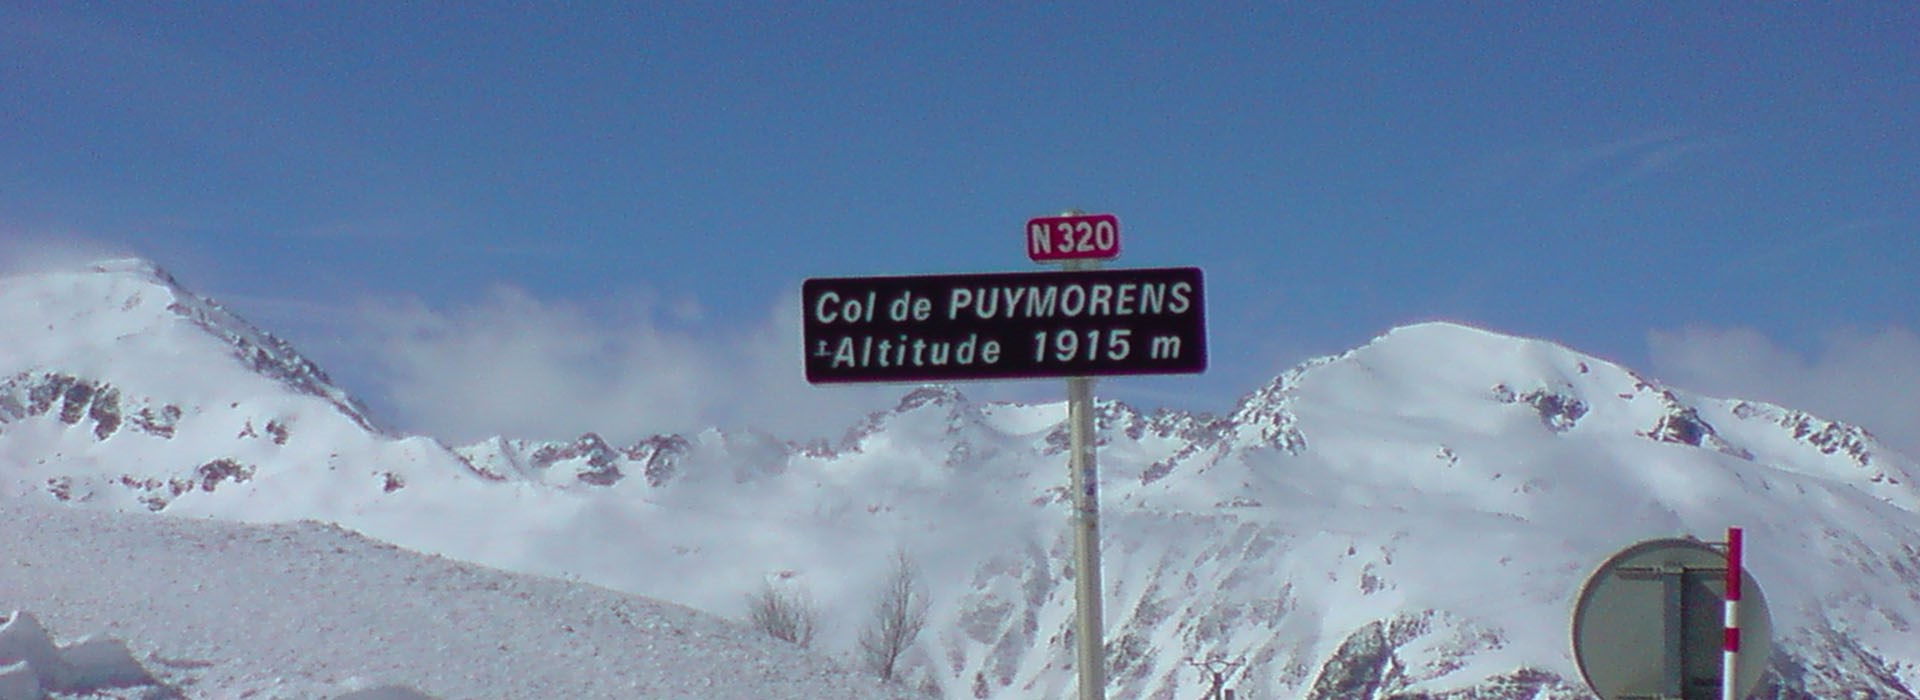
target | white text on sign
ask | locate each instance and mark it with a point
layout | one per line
(1005, 325)
(990, 302)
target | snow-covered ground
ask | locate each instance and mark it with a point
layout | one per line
(305, 610)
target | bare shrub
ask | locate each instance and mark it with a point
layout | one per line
(786, 615)
(899, 614)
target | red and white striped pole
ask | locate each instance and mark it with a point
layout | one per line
(1730, 643)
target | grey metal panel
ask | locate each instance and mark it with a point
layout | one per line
(1648, 624)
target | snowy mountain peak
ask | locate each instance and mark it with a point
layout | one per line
(140, 268)
(121, 387)
(128, 322)
(1432, 360)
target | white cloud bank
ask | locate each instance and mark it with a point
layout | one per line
(514, 365)
(1870, 379)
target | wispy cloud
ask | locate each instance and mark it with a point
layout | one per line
(1582, 171)
(1871, 379)
(515, 365)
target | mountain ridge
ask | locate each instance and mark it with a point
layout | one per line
(1386, 522)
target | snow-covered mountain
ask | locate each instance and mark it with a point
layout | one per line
(1410, 519)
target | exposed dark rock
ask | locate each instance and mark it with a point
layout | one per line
(159, 423)
(156, 494)
(61, 487)
(604, 474)
(105, 412)
(223, 469)
(478, 469)
(1129, 659)
(1266, 417)
(25, 395)
(602, 467)
(74, 401)
(1358, 668)
(1057, 440)
(1830, 437)
(1115, 417)
(1156, 471)
(40, 396)
(660, 457)
(1557, 411)
(1682, 426)
(942, 395)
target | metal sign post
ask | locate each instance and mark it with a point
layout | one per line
(1085, 481)
(1083, 476)
(1079, 241)
(1076, 323)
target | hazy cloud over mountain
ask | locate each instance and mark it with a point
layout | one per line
(516, 365)
(1863, 377)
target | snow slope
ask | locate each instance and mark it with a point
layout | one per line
(305, 610)
(120, 388)
(1410, 519)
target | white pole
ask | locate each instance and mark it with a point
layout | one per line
(1084, 478)
(1730, 639)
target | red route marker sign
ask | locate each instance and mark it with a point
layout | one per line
(1079, 237)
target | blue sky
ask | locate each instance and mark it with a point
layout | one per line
(457, 204)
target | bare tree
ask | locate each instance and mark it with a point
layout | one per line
(899, 614)
(783, 614)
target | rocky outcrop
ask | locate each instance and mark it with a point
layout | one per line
(659, 457)
(1559, 410)
(1681, 424)
(601, 463)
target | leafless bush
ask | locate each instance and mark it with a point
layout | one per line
(787, 615)
(899, 614)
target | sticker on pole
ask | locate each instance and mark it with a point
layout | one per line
(1076, 237)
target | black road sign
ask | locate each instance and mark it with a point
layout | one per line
(1004, 325)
